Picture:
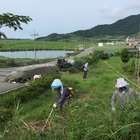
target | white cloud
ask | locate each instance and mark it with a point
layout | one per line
(134, 5)
(112, 12)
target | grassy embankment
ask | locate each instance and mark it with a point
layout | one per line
(89, 115)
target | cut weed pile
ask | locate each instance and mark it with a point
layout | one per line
(88, 115)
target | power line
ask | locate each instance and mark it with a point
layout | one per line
(26, 32)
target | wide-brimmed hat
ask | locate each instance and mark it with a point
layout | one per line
(121, 83)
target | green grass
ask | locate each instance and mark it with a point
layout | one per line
(111, 48)
(89, 115)
(42, 45)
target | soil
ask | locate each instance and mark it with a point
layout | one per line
(40, 125)
(83, 97)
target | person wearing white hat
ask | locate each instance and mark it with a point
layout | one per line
(123, 93)
(62, 93)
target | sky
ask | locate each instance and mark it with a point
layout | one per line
(65, 16)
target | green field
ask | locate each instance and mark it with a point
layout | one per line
(41, 45)
(111, 48)
(17, 45)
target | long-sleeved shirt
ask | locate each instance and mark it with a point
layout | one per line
(124, 98)
(62, 99)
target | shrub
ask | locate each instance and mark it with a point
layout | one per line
(104, 56)
(127, 68)
(125, 55)
(11, 62)
(95, 57)
(73, 70)
(78, 63)
(26, 94)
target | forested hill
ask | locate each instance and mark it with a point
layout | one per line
(127, 26)
(123, 27)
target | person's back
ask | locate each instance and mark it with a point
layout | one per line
(63, 98)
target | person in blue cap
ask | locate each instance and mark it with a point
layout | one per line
(62, 94)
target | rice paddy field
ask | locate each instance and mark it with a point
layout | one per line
(41, 45)
(49, 45)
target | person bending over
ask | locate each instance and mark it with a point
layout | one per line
(123, 94)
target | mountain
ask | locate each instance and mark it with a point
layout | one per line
(123, 27)
(127, 26)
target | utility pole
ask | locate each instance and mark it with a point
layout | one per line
(34, 42)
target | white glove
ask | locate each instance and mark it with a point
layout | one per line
(113, 109)
(54, 105)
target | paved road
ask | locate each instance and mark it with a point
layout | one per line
(6, 87)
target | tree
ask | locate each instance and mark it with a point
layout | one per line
(125, 55)
(12, 21)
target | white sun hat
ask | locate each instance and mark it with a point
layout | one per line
(121, 83)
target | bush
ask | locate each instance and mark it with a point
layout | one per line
(125, 55)
(78, 63)
(11, 63)
(104, 56)
(26, 94)
(95, 57)
(73, 70)
(117, 54)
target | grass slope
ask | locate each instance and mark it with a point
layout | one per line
(88, 115)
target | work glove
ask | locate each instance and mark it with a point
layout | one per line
(54, 105)
(113, 109)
